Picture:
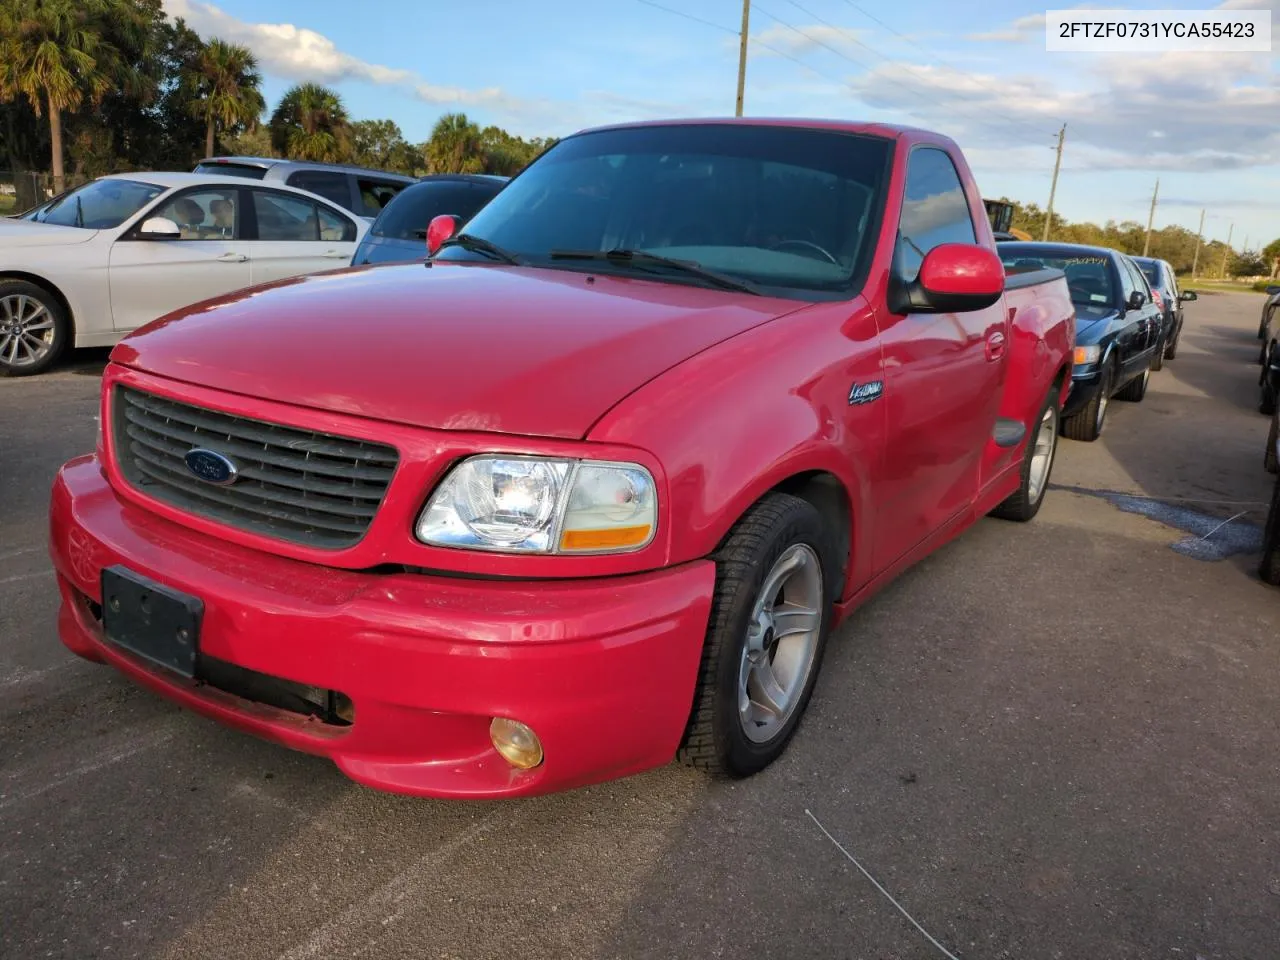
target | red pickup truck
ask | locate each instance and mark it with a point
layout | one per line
(590, 487)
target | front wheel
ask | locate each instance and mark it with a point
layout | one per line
(1269, 568)
(1087, 424)
(1157, 362)
(770, 617)
(1037, 464)
(1269, 459)
(1267, 397)
(1135, 389)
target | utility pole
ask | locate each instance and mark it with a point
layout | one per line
(1227, 251)
(1053, 188)
(1151, 218)
(742, 54)
(1195, 262)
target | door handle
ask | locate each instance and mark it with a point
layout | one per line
(232, 258)
(335, 255)
(995, 345)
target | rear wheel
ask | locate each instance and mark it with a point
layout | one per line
(1087, 424)
(1037, 464)
(1135, 389)
(1157, 362)
(33, 328)
(1267, 396)
(1269, 459)
(770, 617)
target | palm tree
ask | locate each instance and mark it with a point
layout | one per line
(310, 123)
(455, 146)
(52, 52)
(229, 84)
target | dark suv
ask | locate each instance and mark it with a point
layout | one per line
(400, 231)
(1160, 276)
(362, 191)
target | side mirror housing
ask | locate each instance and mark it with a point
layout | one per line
(439, 230)
(1136, 300)
(953, 278)
(1188, 295)
(160, 228)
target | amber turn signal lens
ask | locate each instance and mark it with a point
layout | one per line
(609, 539)
(517, 743)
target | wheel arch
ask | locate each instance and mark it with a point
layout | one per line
(830, 497)
(53, 291)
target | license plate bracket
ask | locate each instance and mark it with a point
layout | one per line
(151, 620)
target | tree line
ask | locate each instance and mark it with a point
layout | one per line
(1174, 244)
(89, 87)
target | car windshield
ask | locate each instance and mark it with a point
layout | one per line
(100, 204)
(407, 215)
(790, 210)
(1088, 274)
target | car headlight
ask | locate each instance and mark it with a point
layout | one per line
(1087, 355)
(542, 505)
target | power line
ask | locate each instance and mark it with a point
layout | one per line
(887, 59)
(921, 47)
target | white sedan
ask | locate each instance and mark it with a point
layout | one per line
(122, 250)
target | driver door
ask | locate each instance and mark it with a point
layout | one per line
(149, 278)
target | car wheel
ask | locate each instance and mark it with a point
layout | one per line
(770, 617)
(1135, 389)
(1267, 397)
(1269, 459)
(1037, 465)
(1087, 424)
(1262, 355)
(1157, 362)
(1171, 350)
(1269, 568)
(33, 328)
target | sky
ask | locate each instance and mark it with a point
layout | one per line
(1206, 125)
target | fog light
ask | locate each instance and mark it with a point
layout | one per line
(516, 742)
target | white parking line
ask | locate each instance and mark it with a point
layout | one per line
(25, 576)
(19, 553)
(138, 744)
(384, 903)
(22, 675)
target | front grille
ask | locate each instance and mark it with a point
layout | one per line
(311, 488)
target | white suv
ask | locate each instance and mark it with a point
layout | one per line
(359, 189)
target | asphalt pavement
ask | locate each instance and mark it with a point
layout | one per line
(1053, 740)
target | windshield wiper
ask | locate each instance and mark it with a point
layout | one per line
(474, 244)
(645, 261)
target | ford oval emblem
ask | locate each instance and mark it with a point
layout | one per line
(211, 466)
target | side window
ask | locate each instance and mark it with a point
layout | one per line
(334, 227)
(376, 194)
(331, 186)
(1140, 282)
(283, 217)
(934, 210)
(1128, 281)
(204, 214)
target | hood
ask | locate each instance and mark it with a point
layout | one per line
(454, 347)
(29, 233)
(1092, 323)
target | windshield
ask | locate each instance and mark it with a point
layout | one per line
(407, 215)
(100, 205)
(791, 210)
(1088, 274)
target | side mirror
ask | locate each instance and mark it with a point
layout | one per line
(1136, 300)
(955, 278)
(1188, 295)
(439, 230)
(160, 228)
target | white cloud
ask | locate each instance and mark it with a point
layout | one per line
(800, 40)
(1024, 28)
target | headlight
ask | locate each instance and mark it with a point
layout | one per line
(540, 505)
(1087, 355)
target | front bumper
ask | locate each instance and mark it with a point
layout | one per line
(603, 670)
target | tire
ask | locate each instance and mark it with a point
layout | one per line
(1025, 503)
(1087, 424)
(777, 528)
(1157, 362)
(1135, 389)
(1269, 568)
(1269, 460)
(33, 329)
(1262, 355)
(1267, 394)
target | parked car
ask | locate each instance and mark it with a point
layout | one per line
(363, 191)
(1118, 327)
(122, 250)
(400, 232)
(1269, 568)
(1162, 280)
(1269, 353)
(589, 492)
